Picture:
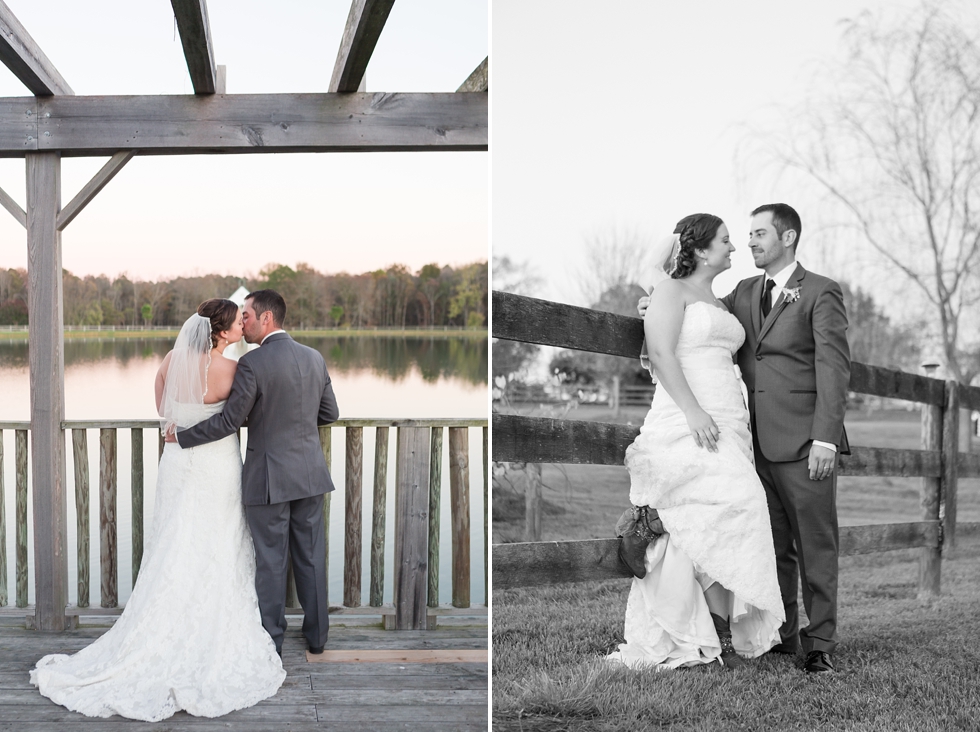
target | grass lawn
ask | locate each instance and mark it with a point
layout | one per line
(903, 664)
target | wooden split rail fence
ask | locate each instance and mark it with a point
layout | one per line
(418, 486)
(534, 440)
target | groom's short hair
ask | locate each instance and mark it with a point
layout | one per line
(263, 300)
(784, 217)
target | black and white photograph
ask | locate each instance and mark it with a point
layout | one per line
(735, 365)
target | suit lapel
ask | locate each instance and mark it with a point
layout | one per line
(756, 309)
(780, 304)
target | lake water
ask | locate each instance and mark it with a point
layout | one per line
(382, 377)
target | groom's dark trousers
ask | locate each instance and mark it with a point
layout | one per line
(796, 367)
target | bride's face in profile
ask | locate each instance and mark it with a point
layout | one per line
(234, 333)
(718, 255)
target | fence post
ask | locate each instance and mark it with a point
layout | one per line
(930, 558)
(435, 512)
(107, 517)
(615, 395)
(459, 496)
(352, 517)
(412, 454)
(951, 444)
(20, 488)
(532, 502)
(79, 441)
(378, 516)
(136, 495)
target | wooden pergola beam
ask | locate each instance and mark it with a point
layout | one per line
(243, 123)
(479, 80)
(11, 205)
(195, 37)
(21, 55)
(364, 25)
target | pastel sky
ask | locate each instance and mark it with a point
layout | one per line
(165, 216)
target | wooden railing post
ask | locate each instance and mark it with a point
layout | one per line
(951, 444)
(352, 518)
(378, 515)
(326, 448)
(136, 482)
(930, 558)
(411, 524)
(107, 517)
(20, 489)
(435, 512)
(459, 492)
(3, 533)
(79, 443)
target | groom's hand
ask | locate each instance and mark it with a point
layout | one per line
(171, 435)
(822, 462)
(642, 304)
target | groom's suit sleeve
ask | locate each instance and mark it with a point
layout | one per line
(328, 402)
(229, 419)
(832, 362)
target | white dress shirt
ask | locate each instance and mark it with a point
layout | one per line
(280, 330)
(781, 278)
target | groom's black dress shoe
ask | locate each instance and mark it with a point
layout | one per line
(316, 650)
(783, 649)
(818, 662)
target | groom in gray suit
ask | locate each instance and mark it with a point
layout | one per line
(284, 391)
(796, 365)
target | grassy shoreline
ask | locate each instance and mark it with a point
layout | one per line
(112, 334)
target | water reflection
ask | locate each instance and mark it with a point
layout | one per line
(392, 358)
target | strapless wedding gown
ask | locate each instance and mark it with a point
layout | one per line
(190, 636)
(713, 507)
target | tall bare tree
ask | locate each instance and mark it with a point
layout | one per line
(615, 257)
(895, 145)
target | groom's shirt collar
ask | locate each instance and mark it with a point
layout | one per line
(271, 334)
(782, 276)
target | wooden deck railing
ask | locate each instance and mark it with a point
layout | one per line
(418, 466)
(524, 439)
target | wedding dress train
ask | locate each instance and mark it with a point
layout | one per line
(713, 508)
(190, 636)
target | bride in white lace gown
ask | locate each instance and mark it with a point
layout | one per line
(190, 636)
(710, 593)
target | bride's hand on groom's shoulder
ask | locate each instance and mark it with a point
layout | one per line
(642, 304)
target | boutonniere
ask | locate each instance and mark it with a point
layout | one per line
(790, 294)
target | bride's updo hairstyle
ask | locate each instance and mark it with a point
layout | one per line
(222, 314)
(696, 231)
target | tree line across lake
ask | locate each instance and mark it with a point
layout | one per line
(386, 298)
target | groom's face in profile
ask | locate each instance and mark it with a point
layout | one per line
(251, 324)
(769, 251)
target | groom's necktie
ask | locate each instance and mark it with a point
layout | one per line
(767, 298)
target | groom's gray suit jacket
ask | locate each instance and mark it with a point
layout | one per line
(796, 365)
(284, 391)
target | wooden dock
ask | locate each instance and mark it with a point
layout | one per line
(337, 695)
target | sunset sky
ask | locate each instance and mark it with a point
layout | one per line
(165, 216)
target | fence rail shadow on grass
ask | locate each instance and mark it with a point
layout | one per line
(534, 440)
(418, 487)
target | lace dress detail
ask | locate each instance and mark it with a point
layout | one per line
(714, 510)
(190, 636)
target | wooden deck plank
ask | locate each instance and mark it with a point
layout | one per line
(219, 725)
(281, 716)
(341, 696)
(400, 655)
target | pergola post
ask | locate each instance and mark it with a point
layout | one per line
(47, 368)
